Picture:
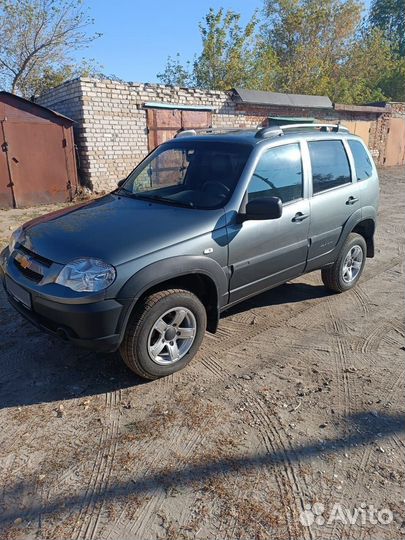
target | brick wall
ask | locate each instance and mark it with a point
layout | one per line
(111, 125)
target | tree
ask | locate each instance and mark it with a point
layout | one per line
(36, 39)
(369, 63)
(176, 74)
(227, 57)
(389, 16)
(227, 51)
(305, 47)
(326, 48)
(310, 39)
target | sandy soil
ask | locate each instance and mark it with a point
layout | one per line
(297, 400)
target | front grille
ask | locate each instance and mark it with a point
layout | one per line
(30, 264)
(28, 273)
(34, 256)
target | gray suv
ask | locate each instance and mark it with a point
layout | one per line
(205, 221)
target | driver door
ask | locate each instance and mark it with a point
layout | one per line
(264, 253)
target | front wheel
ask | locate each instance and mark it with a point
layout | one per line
(164, 333)
(347, 269)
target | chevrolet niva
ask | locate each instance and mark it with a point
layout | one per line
(206, 220)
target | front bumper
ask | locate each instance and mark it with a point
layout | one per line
(95, 325)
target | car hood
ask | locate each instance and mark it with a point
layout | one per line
(115, 229)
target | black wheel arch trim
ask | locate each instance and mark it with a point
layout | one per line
(172, 268)
(329, 258)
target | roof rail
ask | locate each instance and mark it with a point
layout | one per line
(274, 131)
(191, 132)
(321, 127)
(266, 132)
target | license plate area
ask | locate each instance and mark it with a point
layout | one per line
(18, 293)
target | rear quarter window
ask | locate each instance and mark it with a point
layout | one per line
(362, 162)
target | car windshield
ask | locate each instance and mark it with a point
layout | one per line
(193, 174)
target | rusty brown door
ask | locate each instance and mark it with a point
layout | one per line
(37, 153)
(6, 193)
(163, 124)
(395, 143)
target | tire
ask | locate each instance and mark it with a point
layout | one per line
(149, 348)
(336, 277)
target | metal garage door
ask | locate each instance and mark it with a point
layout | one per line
(163, 124)
(395, 143)
(360, 128)
(37, 154)
(40, 170)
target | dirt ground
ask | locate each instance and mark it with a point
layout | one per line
(297, 400)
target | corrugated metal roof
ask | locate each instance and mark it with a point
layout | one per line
(41, 107)
(258, 97)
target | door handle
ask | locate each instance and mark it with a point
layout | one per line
(299, 216)
(352, 200)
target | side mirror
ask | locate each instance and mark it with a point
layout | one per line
(264, 208)
(120, 182)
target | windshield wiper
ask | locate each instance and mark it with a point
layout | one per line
(187, 204)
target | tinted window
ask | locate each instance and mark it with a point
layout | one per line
(330, 166)
(278, 174)
(364, 167)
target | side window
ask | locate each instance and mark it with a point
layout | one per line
(330, 166)
(278, 174)
(364, 167)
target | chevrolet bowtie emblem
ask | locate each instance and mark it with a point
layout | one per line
(24, 262)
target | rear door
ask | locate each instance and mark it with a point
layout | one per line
(335, 197)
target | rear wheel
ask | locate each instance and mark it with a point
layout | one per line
(347, 269)
(164, 333)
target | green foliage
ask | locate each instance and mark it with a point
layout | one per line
(36, 38)
(176, 74)
(389, 16)
(302, 46)
(310, 39)
(227, 56)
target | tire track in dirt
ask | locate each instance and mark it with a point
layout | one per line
(146, 515)
(286, 478)
(143, 518)
(88, 518)
(231, 338)
(367, 459)
(372, 341)
(340, 357)
(287, 481)
(278, 431)
(363, 298)
(142, 447)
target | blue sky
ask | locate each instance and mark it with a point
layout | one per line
(138, 36)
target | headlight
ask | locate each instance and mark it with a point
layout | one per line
(86, 275)
(15, 238)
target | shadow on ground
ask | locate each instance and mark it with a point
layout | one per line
(46, 369)
(284, 294)
(37, 368)
(359, 429)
